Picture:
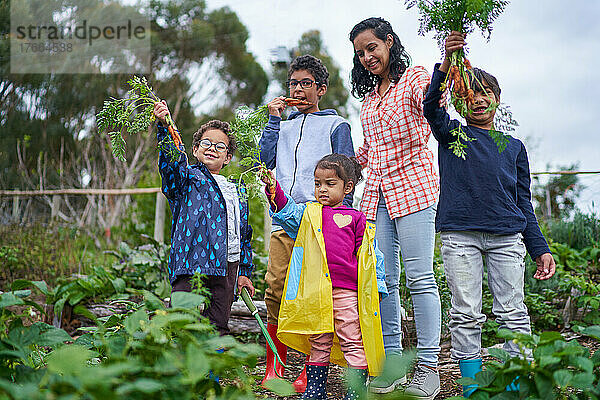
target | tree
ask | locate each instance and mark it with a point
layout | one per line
(556, 198)
(49, 119)
(311, 43)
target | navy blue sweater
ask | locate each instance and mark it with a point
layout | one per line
(199, 225)
(487, 192)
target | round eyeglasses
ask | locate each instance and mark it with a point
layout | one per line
(219, 147)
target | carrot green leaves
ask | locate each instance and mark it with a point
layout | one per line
(132, 114)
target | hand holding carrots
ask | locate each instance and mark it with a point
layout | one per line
(455, 41)
(161, 111)
(267, 176)
(276, 106)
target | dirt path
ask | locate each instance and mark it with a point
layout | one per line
(335, 385)
(448, 369)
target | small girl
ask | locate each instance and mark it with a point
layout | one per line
(330, 306)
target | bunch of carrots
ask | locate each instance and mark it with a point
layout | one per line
(443, 17)
(458, 81)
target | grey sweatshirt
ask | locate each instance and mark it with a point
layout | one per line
(295, 146)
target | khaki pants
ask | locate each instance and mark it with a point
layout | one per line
(280, 251)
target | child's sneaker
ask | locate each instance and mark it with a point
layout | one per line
(425, 384)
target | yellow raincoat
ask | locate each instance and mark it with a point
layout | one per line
(307, 306)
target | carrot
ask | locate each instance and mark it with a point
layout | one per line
(175, 136)
(467, 64)
(470, 96)
(297, 102)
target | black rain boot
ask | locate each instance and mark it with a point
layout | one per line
(316, 382)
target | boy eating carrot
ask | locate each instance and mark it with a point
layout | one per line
(294, 146)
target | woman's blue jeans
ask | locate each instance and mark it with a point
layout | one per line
(412, 236)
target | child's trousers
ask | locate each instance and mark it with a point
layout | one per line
(280, 251)
(347, 328)
(221, 290)
(463, 253)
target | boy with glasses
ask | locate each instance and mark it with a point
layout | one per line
(293, 147)
(210, 233)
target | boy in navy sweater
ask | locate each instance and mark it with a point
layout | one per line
(484, 210)
(294, 147)
(210, 233)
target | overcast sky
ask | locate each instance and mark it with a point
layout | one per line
(544, 53)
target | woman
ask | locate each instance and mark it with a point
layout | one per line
(400, 194)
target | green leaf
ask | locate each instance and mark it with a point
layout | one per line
(596, 358)
(9, 299)
(592, 331)
(280, 387)
(81, 310)
(52, 336)
(548, 360)
(583, 363)
(501, 354)
(562, 377)
(197, 364)
(186, 300)
(118, 285)
(86, 340)
(550, 336)
(544, 386)
(24, 283)
(68, 360)
(133, 322)
(152, 302)
(583, 380)
(485, 378)
(143, 385)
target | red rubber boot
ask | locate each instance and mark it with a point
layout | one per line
(300, 382)
(274, 368)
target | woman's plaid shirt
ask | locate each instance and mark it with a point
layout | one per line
(395, 148)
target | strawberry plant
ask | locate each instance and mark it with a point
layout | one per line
(550, 367)
(151, 352)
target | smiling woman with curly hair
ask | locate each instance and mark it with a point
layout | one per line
(400, 194)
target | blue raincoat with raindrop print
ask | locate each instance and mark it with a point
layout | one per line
(199, 225)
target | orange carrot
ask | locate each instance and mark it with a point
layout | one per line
(175, 136)
(297, 102)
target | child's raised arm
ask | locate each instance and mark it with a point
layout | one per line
(286, 213)
(436, 115)
(172, 172)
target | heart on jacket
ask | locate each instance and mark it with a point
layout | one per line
(342, 220)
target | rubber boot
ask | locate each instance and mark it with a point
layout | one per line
(274, 368)
(316, 382)
(468, 369)
(210, 373)
(356, 383)
(300, 382)
(514, 386)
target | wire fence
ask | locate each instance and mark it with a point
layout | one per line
(15, 204)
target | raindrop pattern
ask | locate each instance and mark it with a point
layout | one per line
(199, 220)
